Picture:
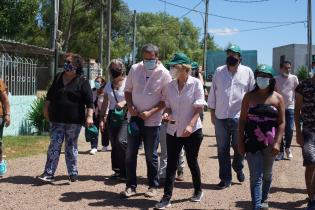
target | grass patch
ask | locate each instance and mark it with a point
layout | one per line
(23, 146)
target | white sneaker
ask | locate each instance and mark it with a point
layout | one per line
(289, 153)
(105, 149)
(93, 151)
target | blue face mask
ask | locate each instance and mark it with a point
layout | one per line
(262, 82)
(149, 64)
(313, 70)
(97, 85)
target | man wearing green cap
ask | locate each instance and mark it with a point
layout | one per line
(229, 85)
(145, 95)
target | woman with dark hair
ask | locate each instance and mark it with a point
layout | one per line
(116, 121)
(261, 128)
(68, 99)
(98, 97)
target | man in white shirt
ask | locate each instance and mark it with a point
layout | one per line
(229, 85)
(285, 85)
(145, 95)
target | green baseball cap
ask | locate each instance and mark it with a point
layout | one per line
(194, 65)
(266, 69)
(179, 58)
(234, 48)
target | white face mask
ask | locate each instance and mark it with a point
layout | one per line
(262, 82)
(285, 74)
(173, 72)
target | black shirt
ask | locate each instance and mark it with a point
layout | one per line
(307, 89)
(68, 102)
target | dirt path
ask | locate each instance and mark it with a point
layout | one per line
(20, 190)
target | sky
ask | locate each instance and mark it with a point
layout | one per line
(227, 31)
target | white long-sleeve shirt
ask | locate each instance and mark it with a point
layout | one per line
(227, 91)
(182, 104)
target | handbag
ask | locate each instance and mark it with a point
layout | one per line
(118, 115)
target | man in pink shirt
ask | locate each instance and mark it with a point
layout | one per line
(145, 95)
(285, 85)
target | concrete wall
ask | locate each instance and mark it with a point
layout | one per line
(296, 53)
(20, 106)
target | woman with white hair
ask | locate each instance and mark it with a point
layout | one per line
(184, 101)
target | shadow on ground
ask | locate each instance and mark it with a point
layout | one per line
(108, 199)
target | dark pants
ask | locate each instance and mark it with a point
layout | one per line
(288, 134)
(118, 140)
(104, 134)
(151, 139)
(191, 145)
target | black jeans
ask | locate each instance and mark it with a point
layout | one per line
(118, 140)
(191, 145)
(104, 134)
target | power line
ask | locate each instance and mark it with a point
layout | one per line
(230, 18)
(254, 29)
(191, 10)
(246, 1)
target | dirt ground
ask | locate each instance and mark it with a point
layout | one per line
(20, 190)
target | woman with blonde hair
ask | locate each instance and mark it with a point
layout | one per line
(184, 101)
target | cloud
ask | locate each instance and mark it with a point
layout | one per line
(223, 31)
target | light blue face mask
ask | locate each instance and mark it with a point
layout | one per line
(149, 64)
(97, 85)
(313, 70)
(262, 82)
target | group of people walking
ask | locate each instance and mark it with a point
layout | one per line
(251, 111)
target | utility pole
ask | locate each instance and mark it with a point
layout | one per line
(100, 51)
(54, 36)
(309, 35)
(108, 38)
(204, 63)
(134, 37)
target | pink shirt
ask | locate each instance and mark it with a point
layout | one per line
(148, 92)
(183, 104)
(286, 87)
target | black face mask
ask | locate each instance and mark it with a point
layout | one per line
(115, 74)
(231, 61)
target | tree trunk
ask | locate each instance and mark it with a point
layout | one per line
(68, 30)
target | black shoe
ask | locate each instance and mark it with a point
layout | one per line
(222, 185)
(73, 178)
(115, 175)
(240, 176)
(180, 176)
(46, 177)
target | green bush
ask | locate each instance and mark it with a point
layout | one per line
(36, 115)
(302, 73)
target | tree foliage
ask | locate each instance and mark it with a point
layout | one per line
(79, 24)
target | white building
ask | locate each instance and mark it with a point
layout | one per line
(295, 53)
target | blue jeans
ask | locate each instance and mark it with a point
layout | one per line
(226, 131)
(58, 133)
(289, 125)
(151, 139)
(260, 170)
